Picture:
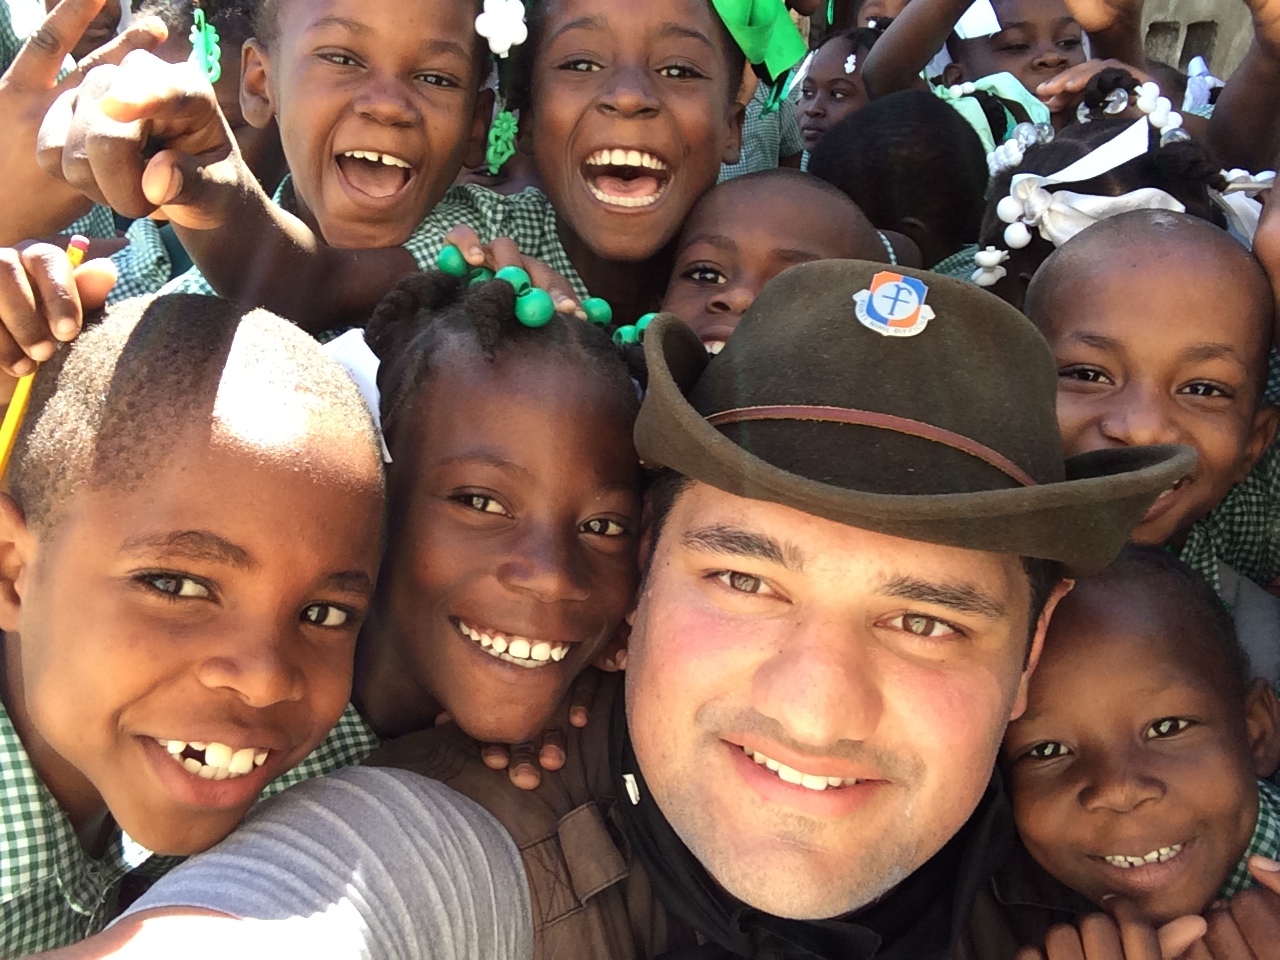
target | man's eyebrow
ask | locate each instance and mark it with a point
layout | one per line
(955, 594)
(200, 545)
(722, 538)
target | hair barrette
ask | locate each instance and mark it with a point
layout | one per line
(534, 306)
(634, 332)
(206, 53)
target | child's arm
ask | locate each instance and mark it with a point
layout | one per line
(35, 204)
(912, 40)
(1245, 128)
(1114, 28)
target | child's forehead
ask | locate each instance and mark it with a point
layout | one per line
(1012, 12)
(794, 215)
(668, 17)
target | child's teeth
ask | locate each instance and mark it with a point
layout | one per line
(374, 157)
(809, 781)
(219, 761)
(217, 755)
(517, 650)
(541, 651)
(1162, 855)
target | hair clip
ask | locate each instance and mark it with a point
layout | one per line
(1010, 153)
(205, 51)
(534, 306)
(634, 333)
(989, 272)
(851, 64)
(502, 23)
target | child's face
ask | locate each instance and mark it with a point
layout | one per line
(633, 113)
(1163, 351)
(1128, 749)
(830, 91)
(1040, 39)
(875, 9)
(347, 80)
(740, 237)
(212, 611)
(516, 520)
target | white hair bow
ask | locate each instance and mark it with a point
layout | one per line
(1060, 215)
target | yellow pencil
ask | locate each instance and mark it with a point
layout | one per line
(76, 249)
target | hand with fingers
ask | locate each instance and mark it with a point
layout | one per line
(145, 136)
(1065, 91)
(506, 253)
(1248, 926)
(43, 302)
(36, 204)
(1120, 934)
(1114, 26)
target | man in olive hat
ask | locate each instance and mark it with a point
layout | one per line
(862, 524)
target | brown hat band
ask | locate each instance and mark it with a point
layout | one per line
(883, 421)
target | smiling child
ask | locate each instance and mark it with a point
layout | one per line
(186, 556)
(1134, 770)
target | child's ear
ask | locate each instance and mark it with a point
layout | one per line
(17, 552)
(1266, 419)
(1032, 657)
(746, 90)
(1262, 720)
(255, 86)
(952, 74)
(478, 137)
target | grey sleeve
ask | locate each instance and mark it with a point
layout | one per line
(375, 864)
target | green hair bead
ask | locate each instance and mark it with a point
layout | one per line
(534, 308)
(598, 311)
(517, 277)
(451, 261)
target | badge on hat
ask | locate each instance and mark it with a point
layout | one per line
(894, 306)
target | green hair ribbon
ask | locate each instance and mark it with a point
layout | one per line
(205, 52)
(768, 37)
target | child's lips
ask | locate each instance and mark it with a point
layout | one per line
(373, 178)
(1167, 500)
(209, 792)
(626, 179)
(522, 651)
(1147, 877)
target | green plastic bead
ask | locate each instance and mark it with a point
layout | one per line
(480, 275)
(627, 334)
(452, 262)
(517, 277)
(598, 311)
(534, 308)
(643, 323)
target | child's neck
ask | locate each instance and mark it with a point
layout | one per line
(384, 691)
(73, 791)
(632, 289)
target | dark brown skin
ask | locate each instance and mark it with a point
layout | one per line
(829, 93)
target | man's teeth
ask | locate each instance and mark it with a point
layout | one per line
(517, 650)
(214, 761)
(613, 201)
(1155, 856)
(787, 774)
(625, 158)
(375, 157)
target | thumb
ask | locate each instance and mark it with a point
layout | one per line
(146, 33)
(1266, 871)
(1177, 936)
(181, 187)
(94, 280)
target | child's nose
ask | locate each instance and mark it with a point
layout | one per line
(630, 93)
(1049, 57)
(258, 670)
(732, 298)
(386, 101)
(1118, 785)
(547, 563)
(815, 107)
(1139, 419)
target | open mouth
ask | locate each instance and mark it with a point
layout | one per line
(377, 175)
(521, 651)
(713, 346)
(1165, 500)
(214, 761)
(810, 781)
(1161, 855)
(626, 179)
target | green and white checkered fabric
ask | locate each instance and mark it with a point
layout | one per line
(766, 137)
(144, 266)
(52, 893)
(1243, 531)
(527, 218)
(959, 265)
(1265, 841)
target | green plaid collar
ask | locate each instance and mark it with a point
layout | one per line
(1265, 841)
(959, 265)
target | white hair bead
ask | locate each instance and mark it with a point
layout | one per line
(1016, 235)
(1010, 209)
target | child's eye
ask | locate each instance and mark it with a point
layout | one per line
(483, 504)
(438, 80)
(701, 273)
(1048, 750)
(326, 615)
(742, 582)
(917, 624)
(680, 72)
(807, 92)
(1013, 48)
(604, 527)
(581, 66)
(1167, 727)
(176, 586)
(339, 59)
(1084, 374)
(1070, 43)
(1202, 389)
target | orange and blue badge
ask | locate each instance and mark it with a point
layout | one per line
(894, 305)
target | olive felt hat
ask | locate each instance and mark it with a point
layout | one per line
(897, 401)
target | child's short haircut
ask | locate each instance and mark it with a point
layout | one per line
(908, 155)
(1188, 597)
(430, 312)
(108, 409)
(234, 19)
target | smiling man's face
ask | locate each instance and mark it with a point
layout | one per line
(816, 708)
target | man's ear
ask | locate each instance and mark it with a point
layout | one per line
(478, 136)
(1266, 419)
(255, 84)
(17, 553)
(1262, 720)
(952, 74)
(1037, 646)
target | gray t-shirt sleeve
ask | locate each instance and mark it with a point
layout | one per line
(375, 864)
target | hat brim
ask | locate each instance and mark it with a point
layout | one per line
(1081, 522)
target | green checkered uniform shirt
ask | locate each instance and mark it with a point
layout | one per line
(52, 893)
(1243, 530)
(527, 218)
(98, 222)
(1265, 841)
(144, 266)
(766, 137)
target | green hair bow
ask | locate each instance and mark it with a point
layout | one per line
(768, 37)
